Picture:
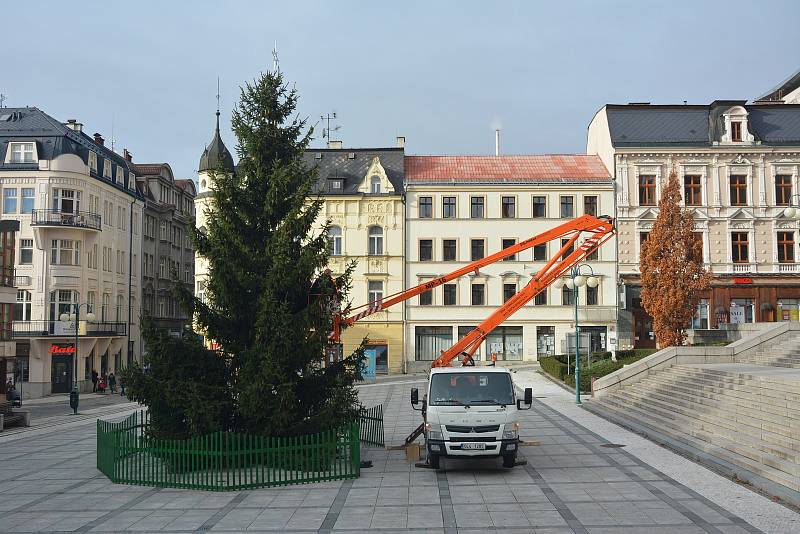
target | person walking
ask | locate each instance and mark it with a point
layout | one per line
(95, 376)
(112, 382)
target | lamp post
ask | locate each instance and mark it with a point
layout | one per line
(74, 315)
(794, 207)
(573, 282)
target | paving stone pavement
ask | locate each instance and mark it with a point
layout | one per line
(571, 484)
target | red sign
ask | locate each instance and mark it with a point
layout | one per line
(742, 280)
(62, 349)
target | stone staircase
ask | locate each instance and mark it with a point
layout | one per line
(783, 354)
(745, 415)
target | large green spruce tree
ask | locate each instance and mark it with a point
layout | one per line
(268, 298)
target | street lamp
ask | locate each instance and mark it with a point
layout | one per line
(794, 207)
(573, 282)
(74, 315)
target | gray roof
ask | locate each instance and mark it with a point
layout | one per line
(216, 154)
(53, 139)
(777, 93)
(351, 165)
(634, 125)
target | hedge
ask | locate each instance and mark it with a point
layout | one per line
(555, 367)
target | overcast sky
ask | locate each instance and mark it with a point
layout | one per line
(443, 74)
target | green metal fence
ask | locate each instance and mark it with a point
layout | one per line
(222, 461)
(371, 425)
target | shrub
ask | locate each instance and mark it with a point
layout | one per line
(555, 367)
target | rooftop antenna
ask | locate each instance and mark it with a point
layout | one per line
(3, 99)
(217, 102)
(112, 133)
(275, 65)
(326, 131)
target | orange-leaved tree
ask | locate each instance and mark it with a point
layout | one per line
(671, 263)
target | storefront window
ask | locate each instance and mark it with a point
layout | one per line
(700, 319)
(506, 342)
(431, 341)
(545, 340)
(742, 311)
(788, 310)
(462, 332)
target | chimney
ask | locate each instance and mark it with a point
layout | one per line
(74, 125)
(334, 144)
(127, 155)
(497, 142)
(99, 139)
(400, 142)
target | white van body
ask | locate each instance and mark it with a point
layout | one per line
(471, 412)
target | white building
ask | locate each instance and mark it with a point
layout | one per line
(462, 208)
(80, 232)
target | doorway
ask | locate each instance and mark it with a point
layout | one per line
(381, 358)
(61, 373)
(643, 330)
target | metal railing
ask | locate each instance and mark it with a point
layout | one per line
(57, 328)
(80, 219)
(371, 425)
(22, 280)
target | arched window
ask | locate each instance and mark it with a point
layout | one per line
(375, 241)
(335, 241)
(202, 184)
(120, 307)
(375, 185)
(91, 301)
(61, 301)
(22, 309)
(104, 310)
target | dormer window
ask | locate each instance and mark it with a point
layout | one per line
(735, 126)
(92, 161)
(23, 152)
(106, 168)
(336, 185)
(375, 185)
(736, 131)
(120, 175)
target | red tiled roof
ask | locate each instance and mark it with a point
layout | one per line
(520, 169)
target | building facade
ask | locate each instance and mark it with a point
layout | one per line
(738, 168)
(8, 298)
(79, 215)
(166, 245)
(462, 208)
(363, 197)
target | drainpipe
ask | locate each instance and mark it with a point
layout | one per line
(403, 277)
(130, 277)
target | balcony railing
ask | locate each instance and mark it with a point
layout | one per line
(22, 280)
(788, 268)
(61, 329)
(744, 268)
(80, 219)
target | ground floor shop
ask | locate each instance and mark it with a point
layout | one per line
(730, 300)
(42, 367)
(384, 344)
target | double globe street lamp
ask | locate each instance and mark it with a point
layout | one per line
(573, 281)
(74, 316)
(794, 207)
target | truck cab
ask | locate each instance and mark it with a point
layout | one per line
(471, 412)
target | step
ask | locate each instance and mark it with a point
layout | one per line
(620, 412)
(721, 421)
(731, 453)
(775, 387)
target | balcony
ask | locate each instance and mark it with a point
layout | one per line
(788, 268)
(742, 268)
(80, 219)
(61, 329)
(22, 280)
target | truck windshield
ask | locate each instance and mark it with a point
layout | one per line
(471, 389)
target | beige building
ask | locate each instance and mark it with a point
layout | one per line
(738, 168)
(463, 208)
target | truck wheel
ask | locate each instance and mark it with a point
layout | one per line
(509, 460)
(433, 460)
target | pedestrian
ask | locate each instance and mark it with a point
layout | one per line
(95, 376)
(112, 382)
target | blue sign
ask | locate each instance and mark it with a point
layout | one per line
(368, 371)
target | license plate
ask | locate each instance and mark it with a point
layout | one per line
(473, 446)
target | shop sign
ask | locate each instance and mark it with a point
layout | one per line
(743, 280)
(737, 314)
(62, 349)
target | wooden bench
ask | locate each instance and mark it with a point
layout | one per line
(9, 417)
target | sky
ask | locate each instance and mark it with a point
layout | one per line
(444, 74)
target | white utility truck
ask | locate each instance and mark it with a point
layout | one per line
(471, 412)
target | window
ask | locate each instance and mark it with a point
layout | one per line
(426, 250)
(162, 267)
(738, 190)
(335, 241)
(425, 207)
(647, 190)
(698, 244)
(448, 250)
(430, 341)
(375, 185)
(509, 290)
(65, 252)
(508, 207)
(66, 200)
(120, 308)
(593, 255)
(28, 198)
(739, 248)
(692, 190)
(463, 331)
(642, 238)
(477, 247)
(449, 207)
(164, 230)
(375, 240)
(375, 290)
(187, 272)
(22, 309)
(478, 294)
(540, 299)
(91, 257)
(590, 205)
(540, 252)
(569, 250)
(783, 189)
(426, 298)
(449, 294)
(476, 207)
(106, 168)
(591, 296)
(567, 296)
(567, 208)
(91, 301)
(736, 131)
(506, 342)
(61, 301)
(92, 161)
(22, 153)
(539, 207)
(509, 242)
(9, 200)
(786, 247)
(25, 251)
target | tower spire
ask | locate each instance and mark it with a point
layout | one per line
(217, 103)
